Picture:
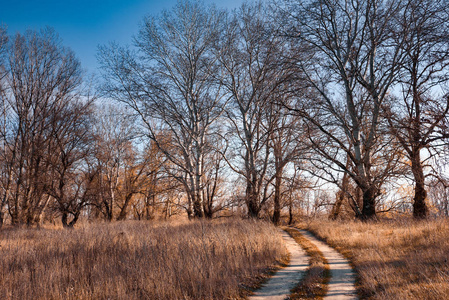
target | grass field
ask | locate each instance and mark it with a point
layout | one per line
(394, 259)
(138, 260)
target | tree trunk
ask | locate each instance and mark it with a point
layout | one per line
(252, 196)
(124, 210)
(290, 213)
(108, 211)
(252, 203)
(197, 207)
(253, 210)
(65, 218)
(369, 204)
(208, 205)
(190, 213)
(340, 197)
(277, 200)
(208, 214)
(420, 209)
(147, 213)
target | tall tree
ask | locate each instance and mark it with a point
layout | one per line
(250, 57)
(288, 148)
(168, 83)
(418, 116)
(6, 170)
(41, 78)
(351, 60)
(71, 162)
(113, 147)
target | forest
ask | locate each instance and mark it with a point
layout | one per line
(273, 110)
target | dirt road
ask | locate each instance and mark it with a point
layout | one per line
(341, 285)
(278, 287)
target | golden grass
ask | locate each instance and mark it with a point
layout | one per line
(138, 260)
(393, 259)
(314, 283)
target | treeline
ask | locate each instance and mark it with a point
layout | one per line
(216, 112)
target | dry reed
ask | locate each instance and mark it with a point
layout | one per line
(138, 260)
(402, 259)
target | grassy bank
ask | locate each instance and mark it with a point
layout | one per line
(137, 260)
(394, 259)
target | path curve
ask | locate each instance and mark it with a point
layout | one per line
(341, 285)
(278, 287)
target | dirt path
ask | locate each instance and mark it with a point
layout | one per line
(342, 283)
(278, 287)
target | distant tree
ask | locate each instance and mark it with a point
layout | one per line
(114, 132)
(140, 175)
(152, 185)
(342, 195)
(289, 149)
(439, 195)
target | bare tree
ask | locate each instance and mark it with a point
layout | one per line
(168, 83)
(6, 170)
(71, 161)
(418, 116)
(153, 185)
(352, 58)
(253, 75)
(215, 167)
(289, 148)
(140, 175)
(41, 78)
(113, 146)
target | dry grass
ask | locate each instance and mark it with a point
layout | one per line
(138, 260)
(314, 283)
(394, 259)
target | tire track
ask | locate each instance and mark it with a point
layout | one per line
(341, 285)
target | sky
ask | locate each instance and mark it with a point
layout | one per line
(84, 24)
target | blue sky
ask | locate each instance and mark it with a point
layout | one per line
(84, 24)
